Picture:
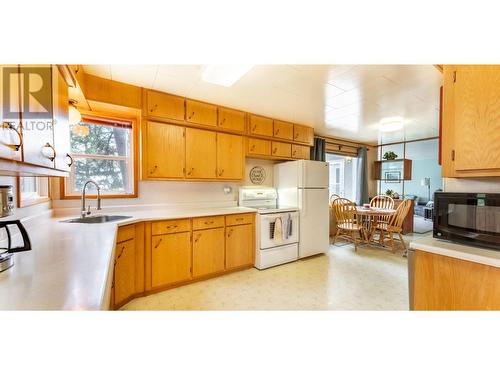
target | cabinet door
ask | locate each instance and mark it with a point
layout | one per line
(165, 106)
(201, 153)
(201, 113)
(477, 117)
(258, 147)
(261, 125)
(10, 116)
(282, 150)
(301, 152)
(303, 134)
(164, 150)
(208, 251)
(230, 156)
(231, 119)
(37, 115)
(239, 246)
(61, 125)
(283, 130)
(171, 259)
(124, 276)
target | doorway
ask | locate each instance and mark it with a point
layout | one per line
(343, 175)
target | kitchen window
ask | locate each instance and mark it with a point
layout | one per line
(32, 190)
(102, 150)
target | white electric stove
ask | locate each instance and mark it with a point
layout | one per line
(271, 251)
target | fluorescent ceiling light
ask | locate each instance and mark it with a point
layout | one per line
(224, 75)
(391, 124)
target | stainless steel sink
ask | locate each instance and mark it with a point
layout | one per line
(97, 219)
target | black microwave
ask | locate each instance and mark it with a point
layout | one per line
(468, 218)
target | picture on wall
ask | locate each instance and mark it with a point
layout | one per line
(393, 176)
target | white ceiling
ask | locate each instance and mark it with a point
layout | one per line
(346, 101)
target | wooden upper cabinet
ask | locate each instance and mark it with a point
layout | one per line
(282, 150)
(283, 130)
(201, 113)
(208, 252)
(170, 259)
(261, 125)
(10, 131)
(230, 156)
(303, 134)
(301, 152)
(231, 119)
(37, 116)
(164, 151)
(477, 117)
(61, 121)
(201, 154)
(258, 147)
(164, 106)
(240, 248)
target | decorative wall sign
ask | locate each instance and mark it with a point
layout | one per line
(257, 175)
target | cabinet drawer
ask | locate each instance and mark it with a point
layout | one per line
(239, 219)
(201, 113)
(231, 119)
(283, 130)
(303, 134)
(261, 125)
(125, 233)
(258, 147)
(170, 226)
(281, 149)
(301, 152)
(165, 106)
(208, 222)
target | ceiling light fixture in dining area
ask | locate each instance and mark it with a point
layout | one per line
(224, 75)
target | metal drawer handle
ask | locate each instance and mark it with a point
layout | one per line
(221, 172)
(223, 121)
(296, 135)
(154, 169)
(209, 222)
(191, 115)
(70, 158)
(171, 226)
(230, 232)
(158, 244)
(239, 219)
(8, 125)
(48, 145)
(252, 148)
(154, 108)
(198, 237)
(274, 150)
(190, 172)
(254, 127)
(277, 132)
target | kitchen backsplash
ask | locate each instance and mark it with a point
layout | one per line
(472, 185)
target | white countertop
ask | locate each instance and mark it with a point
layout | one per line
(454, 250)
(70, 264)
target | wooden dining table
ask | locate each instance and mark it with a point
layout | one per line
(370, 217)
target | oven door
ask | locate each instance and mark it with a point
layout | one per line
(290, 232)
(472, 218)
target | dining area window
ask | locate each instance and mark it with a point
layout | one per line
(343, 175)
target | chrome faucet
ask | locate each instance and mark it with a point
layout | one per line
(86, 212)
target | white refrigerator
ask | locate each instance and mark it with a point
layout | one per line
(304, 184)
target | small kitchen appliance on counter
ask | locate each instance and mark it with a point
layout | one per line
(6, 249)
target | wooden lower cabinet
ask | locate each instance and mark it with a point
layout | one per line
(208, 252)
(170, 259)
(240, 247)
(445, 283)
(124, 272)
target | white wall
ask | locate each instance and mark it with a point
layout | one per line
(20, 213)
(472, 185)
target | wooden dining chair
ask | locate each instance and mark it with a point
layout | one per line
(394, 225)
(383, 201)
(333, 221)
(347, 221)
